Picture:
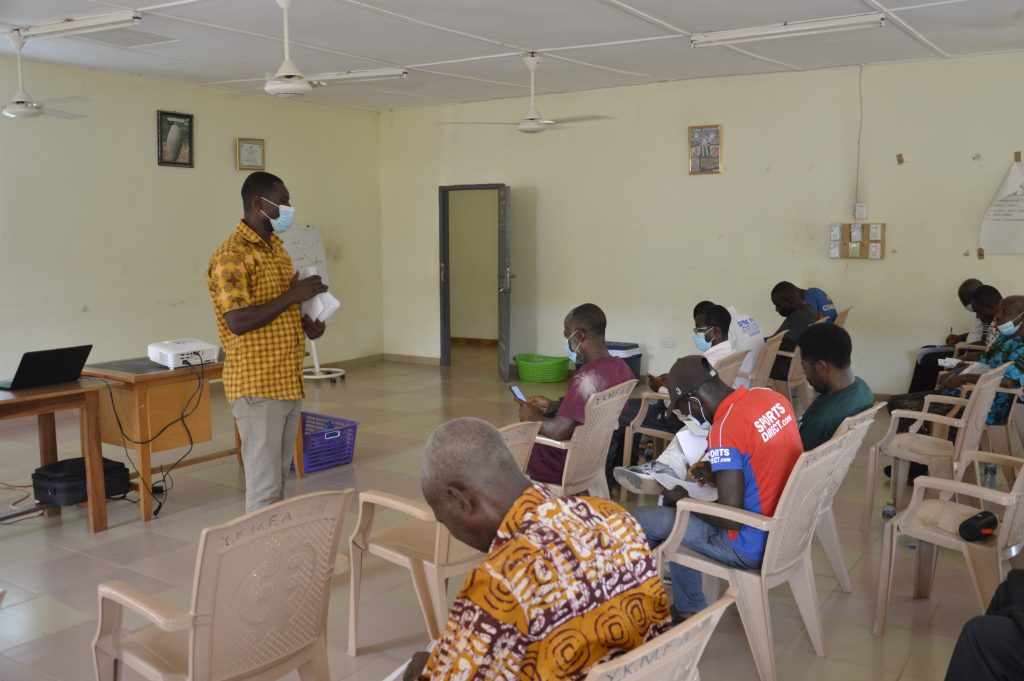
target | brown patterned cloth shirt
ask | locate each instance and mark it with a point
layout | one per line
(569, 582)
(265, 362)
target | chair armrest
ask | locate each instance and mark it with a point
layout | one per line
(648, 395)
(748, 518)
(945, 399)
(919, 416)
(989, 457)
(926, 482)
(410, 507)
(163, 615)
(558, 444)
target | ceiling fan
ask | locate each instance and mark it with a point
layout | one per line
(289, 81)
(22, 105)
(532, 121)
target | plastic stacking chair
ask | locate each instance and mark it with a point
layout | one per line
(673, 656)
(729, 368)
(259, 602)
(826, 530)
(519, 438)
(936, 452)
(787, 556)
(421, 545)
(935, 522)
(841, 317)
(759, 377)
(796, 381)
(1000, 437)
(586, 451)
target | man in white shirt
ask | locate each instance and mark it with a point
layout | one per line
(745, 334)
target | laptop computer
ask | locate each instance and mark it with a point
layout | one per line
(48, 367)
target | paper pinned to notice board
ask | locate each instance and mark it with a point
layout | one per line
(1002, 230)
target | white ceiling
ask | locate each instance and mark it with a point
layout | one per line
(467, 50)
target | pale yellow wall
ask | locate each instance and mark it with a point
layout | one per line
(473, 259)
(100, 245)
(597, 206)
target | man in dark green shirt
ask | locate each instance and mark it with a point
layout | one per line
(825, 355)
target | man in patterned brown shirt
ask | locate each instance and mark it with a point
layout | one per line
(256, 295)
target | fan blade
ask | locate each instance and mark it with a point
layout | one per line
(476, 123)
(61, 114)
(65, 100)
(581, 119)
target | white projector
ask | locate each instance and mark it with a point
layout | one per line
(183, 352)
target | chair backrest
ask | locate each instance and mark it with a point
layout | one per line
(588, 446)
(729, 367)
(841, 317)
(759, 379)
(796, 368)
(801, 502)
(860, 421)
(672, 656)
(857, 426)
(976, 411)
(262, 585)
(519, 439)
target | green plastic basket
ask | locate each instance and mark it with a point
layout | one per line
(542, 368)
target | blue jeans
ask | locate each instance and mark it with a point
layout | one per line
(701, 537)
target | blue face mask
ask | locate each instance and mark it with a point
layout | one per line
(285, 216)
(968, 307)
(702, 342)
(1008, 328)
(569, 352)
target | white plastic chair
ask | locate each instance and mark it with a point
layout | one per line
(787, 556)
(759, 377)
(796, 382)
(673, 656)
(519, 439)
(586, 451)
(841, 317)
(934, 451)
(259, 602)
(935, 522)
(421, 545)
(826, 530)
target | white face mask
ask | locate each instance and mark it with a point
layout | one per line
(569, 352)
(702, 421)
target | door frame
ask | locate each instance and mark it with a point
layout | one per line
(445, 265)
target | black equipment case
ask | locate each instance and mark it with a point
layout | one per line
(63, 483)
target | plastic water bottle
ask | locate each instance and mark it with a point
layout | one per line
(649, 450)
(889, 510)
(988, 476)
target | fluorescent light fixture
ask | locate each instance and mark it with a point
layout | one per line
(103, 22)
(361, 75)
(788, 29)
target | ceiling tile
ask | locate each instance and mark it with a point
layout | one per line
(529, 24)
(865, 46)
(553, 74)
(971, 27)
(32, 12)
(718, 15)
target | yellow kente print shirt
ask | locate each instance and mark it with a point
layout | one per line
(265, 362)
(569, 582)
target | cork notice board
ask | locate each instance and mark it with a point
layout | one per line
(857, 240)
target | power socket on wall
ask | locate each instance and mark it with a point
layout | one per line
(669, 343)
(860, 211)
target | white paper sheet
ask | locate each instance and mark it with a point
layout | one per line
(875, 250)
(875, 231)
(1002, 230)
(320, 307)
(856, 232)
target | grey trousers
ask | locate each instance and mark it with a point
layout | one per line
(268, 429)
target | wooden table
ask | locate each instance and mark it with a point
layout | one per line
(147, 397)
(43, 403)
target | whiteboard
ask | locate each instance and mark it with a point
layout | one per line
(306, 249)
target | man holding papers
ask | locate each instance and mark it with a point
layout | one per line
(256, 296)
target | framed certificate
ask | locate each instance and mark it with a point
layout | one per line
(249, 154)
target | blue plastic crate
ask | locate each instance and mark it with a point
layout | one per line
(327, 441)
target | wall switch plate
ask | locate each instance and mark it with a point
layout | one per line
(860, 211)
(669, 343)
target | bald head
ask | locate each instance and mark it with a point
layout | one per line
(1011, 309)
(966, 291)
(470, 479)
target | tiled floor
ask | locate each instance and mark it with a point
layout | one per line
(50, 567)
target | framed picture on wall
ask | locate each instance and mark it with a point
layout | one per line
(174, 139)
(705, 149)
(249, 154)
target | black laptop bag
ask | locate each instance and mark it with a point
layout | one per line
(63, 483)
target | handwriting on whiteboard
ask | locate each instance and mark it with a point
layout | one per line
(305, 246)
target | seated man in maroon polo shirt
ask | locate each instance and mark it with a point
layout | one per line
(584, 342)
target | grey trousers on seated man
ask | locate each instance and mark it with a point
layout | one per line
(268, 429)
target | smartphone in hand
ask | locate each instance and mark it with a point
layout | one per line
(517, 392)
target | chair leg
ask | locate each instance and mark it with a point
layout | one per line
(438, 597)
(888, 563)
(317, 668)
(986, 572)
(108, 639)
(802, 585)
(355, 573)
(869, 489)
(828, 537)
(924, 569)
(599, 486)
(421, 583)
(752, 603)
(627, 457)
(900, 473)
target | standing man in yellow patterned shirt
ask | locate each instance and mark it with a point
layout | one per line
(256, 294)
(567, 582)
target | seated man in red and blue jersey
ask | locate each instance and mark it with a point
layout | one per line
(752, 448)
(819, 301)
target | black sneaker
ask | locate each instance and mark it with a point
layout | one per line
(916, 470)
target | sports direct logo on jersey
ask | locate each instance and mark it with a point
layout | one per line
(773, 421)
